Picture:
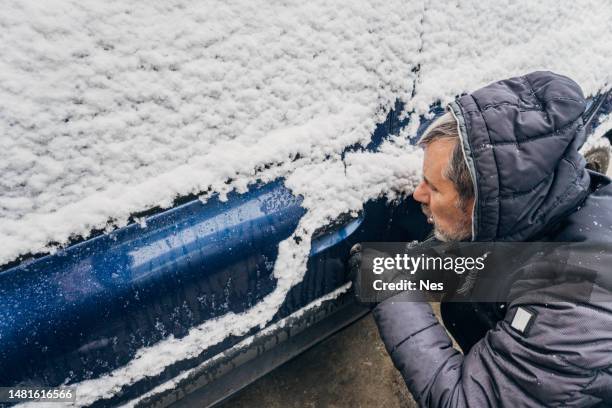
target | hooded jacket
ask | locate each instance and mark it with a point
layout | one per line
(520, 138)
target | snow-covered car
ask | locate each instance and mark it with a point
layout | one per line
(150, 313)
(181, 181)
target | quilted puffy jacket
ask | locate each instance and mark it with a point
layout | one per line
(520, 137)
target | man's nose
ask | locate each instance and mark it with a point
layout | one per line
(421, 194)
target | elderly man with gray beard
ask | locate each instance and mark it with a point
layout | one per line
(502, 165)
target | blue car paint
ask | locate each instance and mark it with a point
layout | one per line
(327, 241)
(49, 305)
(87, 309)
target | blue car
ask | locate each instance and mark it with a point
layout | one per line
(79, 316)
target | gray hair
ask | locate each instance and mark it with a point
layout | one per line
(445, 127)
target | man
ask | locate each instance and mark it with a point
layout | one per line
(503, 165)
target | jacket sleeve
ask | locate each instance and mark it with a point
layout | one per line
(505, 368)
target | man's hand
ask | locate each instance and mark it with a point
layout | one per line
(354, 263)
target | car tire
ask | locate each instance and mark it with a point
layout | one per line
(598, 159)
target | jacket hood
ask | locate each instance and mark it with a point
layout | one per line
(520, 138)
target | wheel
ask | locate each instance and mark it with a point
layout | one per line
(598, 159)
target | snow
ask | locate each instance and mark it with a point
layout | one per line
(110, 108)
(597, 139)
(603, 127)
(171, 384)
(469, 44)
(156, 357)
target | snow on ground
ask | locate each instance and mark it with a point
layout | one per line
(109, 108)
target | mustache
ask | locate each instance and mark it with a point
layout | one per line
(427, 213)
(425, 210)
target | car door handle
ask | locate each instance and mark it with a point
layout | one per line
(335, 235)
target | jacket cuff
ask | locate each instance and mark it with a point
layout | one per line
(401, 317)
